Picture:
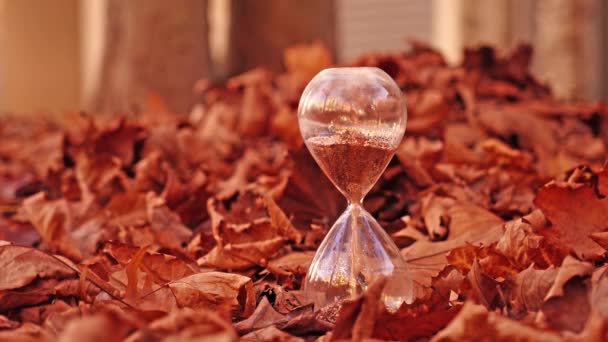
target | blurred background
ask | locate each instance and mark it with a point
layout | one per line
(109, 55)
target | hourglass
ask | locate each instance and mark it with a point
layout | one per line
(352, 120)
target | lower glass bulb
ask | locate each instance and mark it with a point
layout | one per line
(355, 253)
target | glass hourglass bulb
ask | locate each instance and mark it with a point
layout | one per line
(352, 120)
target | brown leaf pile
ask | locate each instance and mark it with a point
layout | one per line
(161, 227)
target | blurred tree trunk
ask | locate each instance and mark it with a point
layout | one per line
(566, 35)
(568, 43)
(152, 47)
(502, 23)
(40, 52)
(159, 46)
(261, 30)
(604, 74)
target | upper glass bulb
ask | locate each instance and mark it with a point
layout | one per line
(352, 120)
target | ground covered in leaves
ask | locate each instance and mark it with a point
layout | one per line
(168, 227)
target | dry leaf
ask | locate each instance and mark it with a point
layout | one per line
(187, 325)
(214, 290)
(53, 221)
(263, 316)
(96, 327)
(531, 288)
(20, 265)
(270, 334)
(474, 322)
(576, 213)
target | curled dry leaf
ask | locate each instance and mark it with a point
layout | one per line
(214, 290)
(416, 156)
(435, 217)
(44, 291)
(487, 259)
(98, 177)
(523, 246)
(242, 255)
(52, 220)
(159, 268)
(530, 289)
(263, 316)
(483, 287)
(118, 139)
(292, 263)
(167, 225)
(253, 241)
(301, 320)
(290, 300)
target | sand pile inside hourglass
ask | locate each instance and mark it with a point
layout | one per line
(352, 120)
(351, 160)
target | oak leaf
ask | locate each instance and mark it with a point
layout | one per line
(576, 213)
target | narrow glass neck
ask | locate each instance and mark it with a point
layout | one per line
(355, 209)
(355, 201)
